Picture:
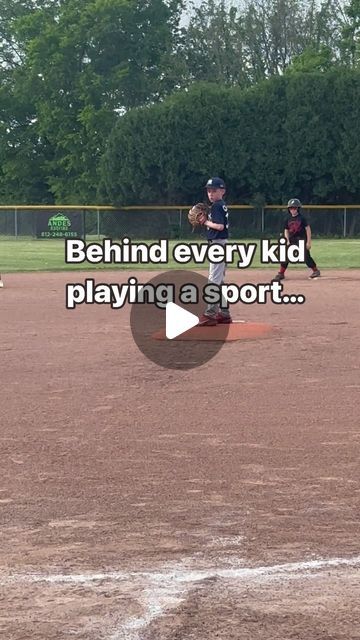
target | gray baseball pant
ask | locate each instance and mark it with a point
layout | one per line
(217, 276)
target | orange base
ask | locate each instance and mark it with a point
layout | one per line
(237, 330)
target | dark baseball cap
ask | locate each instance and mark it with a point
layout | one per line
(216, 183)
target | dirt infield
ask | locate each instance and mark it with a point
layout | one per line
(139, 503)
(237, 330)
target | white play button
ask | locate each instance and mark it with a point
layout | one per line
(169, 334)
(178, 320)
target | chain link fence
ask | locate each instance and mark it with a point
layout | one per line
(326, 221)
(12, 225)
(167, 222)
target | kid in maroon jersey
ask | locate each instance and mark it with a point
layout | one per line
(296, 227)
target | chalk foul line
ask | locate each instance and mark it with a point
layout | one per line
(161, 591)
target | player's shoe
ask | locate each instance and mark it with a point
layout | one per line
(207, 321)
(223, 319)
(314, 274)
(278, 277)
(1, 284)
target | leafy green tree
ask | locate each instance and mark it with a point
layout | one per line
(11, 50)
(21, 151)
(245, 42)
(83, 62)
(213, 44)
(74, 72)
(350, 43)
(312, 60)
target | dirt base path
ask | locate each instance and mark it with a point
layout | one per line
(117, 474)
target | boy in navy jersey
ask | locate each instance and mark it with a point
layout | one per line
(296, 227)
(217, 230)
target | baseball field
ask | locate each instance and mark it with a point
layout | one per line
(28, 255)
(143, 503)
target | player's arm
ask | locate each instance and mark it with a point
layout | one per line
(214, 225)
(217, 219)
(308, 236)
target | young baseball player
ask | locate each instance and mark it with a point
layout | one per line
(217, 230)
(296, 227)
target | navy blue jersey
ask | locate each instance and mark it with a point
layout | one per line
(219, 214)
(296, 226)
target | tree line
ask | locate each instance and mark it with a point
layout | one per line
(124, 101)
(294, 134)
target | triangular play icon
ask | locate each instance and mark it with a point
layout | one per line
(178, 320)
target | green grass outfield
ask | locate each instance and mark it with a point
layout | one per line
(49, 255)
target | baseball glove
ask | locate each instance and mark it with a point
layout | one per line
(198, 214)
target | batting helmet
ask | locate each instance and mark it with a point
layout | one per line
(294, 202)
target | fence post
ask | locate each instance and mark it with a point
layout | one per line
(16, 222)
(98, 223)
(262, 220)
(345, 216)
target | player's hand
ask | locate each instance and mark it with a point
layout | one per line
(203, 219)
(308, 246)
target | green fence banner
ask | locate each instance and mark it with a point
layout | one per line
(60, 225)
